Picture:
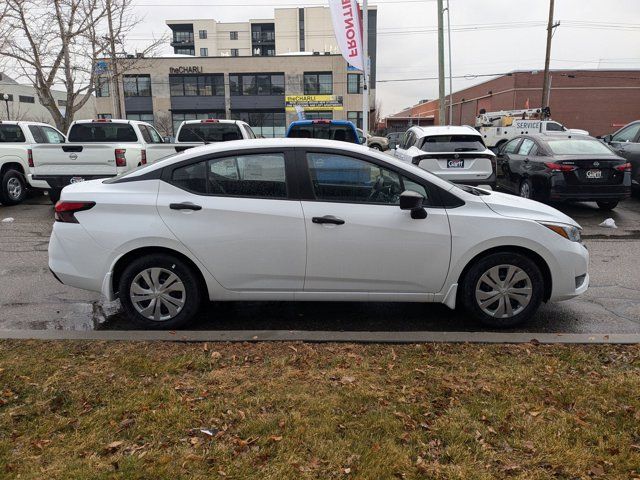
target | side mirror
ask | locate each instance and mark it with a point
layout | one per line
(607, 138)
(363, 140)
(410, 200)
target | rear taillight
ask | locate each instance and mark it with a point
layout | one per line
(30, 157)
(65, 211)
(322, 122)
(121, 160)
(558, 167)
(625, 167)
(143, 157)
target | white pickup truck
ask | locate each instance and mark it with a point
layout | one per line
(99, 149)
(17, 141)
(212, 130)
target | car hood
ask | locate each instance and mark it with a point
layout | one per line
(518, 207)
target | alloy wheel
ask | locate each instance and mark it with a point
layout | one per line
(157, 294)
(525, 190)
(14, 188)
(504, 291)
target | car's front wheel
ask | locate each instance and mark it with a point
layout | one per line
(159, 291)
(502, 289)
(375, 146)
(13, 189)
(607, 205)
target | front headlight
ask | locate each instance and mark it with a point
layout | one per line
(567, 231)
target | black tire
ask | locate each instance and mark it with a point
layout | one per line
(470, 284)
(375, 146)
(607, 205)
(167, 263)
(13, 189)
(54, 195)
(525, 190)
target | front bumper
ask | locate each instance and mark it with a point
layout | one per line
(570, 277)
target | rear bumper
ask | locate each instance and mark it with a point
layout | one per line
(491, 180)
(560, 190)
(36, 183)
(61, 181)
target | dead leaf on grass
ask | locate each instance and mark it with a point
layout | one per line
(114, 446)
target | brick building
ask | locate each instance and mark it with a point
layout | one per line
(599, 101)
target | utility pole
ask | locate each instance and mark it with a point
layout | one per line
(115, 78)
(450, 68)
(545, 82)
(365, 76)
(441, 96)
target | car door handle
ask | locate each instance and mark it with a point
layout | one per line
(184, 206)
(328, 219)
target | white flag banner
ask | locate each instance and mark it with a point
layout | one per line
(347, 27)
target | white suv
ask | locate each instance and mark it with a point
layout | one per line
(457, 154)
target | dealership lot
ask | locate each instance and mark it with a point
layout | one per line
(30, 298)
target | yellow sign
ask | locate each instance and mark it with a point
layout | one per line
(313, 102)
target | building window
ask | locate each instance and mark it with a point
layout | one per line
(137, 85)
(26, 99)
(179, 117)
(320, 83)
(354, 83)
(184, 51)
(204, 52)
(202, 34)
(301, 27)
(62, 103)
(256, 84)
(233, 35)
(196, 85)
(102, 87)
(265, 123)
(106, 116)
(184, 36)
(355, 118)
(10, 99)
(141, 117)
(318, 115)
(235, 52)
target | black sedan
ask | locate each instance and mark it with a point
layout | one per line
(558, 167)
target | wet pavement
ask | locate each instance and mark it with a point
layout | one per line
(31, 299)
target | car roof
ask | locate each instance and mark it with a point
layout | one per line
(204, 120)
(543, 136)
(445, 130)
(322, 122)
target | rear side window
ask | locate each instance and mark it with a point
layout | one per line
(512, 146)
(554, 127)
(324, 131)
(259, 176)
(452, 143)
(11, 134)
(526, 146)
(42, 134)
(209, 132)
(102, 132)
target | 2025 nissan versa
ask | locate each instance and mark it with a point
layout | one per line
(304, 219)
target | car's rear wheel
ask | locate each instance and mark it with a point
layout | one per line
(159, 291)
(526, 189)
(607, 205)
(375, 146)
(54, 195)
(13, 189)
(502, 289)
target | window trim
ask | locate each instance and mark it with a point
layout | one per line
(317, 74)
(289, 169)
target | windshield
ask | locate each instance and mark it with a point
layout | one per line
(209, 132)
(102, 132)
(574, 146)
(453, 143)
(324, 131)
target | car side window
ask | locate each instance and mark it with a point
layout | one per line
(554, 127)
(338, 178)
(260, 175)
(526, 146)
(153, 133)
(192, 178)
(512, 146)
(145, 134)
(534, 150)
(627, 134)
(38, 136)
(407, 140)
(52, 135)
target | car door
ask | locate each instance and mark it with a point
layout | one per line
(626, 143)
(507, 178)
(358, 239)
(407, 142)
(237, 215)
(522, 162)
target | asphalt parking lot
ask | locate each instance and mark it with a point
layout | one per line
(31, 299)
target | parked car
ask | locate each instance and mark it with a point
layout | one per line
(213, 130)
(626, 143)
(557, 168)
(324, 129)
(98, 149)
(457, 154)
(17, 140)
(394, 138)
(294, 219)
(372, 141)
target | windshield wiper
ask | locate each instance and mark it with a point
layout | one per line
(199, 136)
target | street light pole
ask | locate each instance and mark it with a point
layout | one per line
(450, 68)
(5, 97)
(441, 96)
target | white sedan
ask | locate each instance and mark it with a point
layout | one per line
(312, 220)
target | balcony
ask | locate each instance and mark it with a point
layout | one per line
(182, 42)
(261, 38)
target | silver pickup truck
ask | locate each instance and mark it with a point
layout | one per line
(99, 149)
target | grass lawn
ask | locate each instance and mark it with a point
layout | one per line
(95, 410)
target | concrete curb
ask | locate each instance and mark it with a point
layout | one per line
(321, 336)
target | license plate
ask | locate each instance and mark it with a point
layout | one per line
(455, 163)
(593, 174)
(76, 180)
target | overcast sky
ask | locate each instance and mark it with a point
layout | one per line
(488, 36)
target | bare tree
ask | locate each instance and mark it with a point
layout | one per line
(163, 123)
(59, 43)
